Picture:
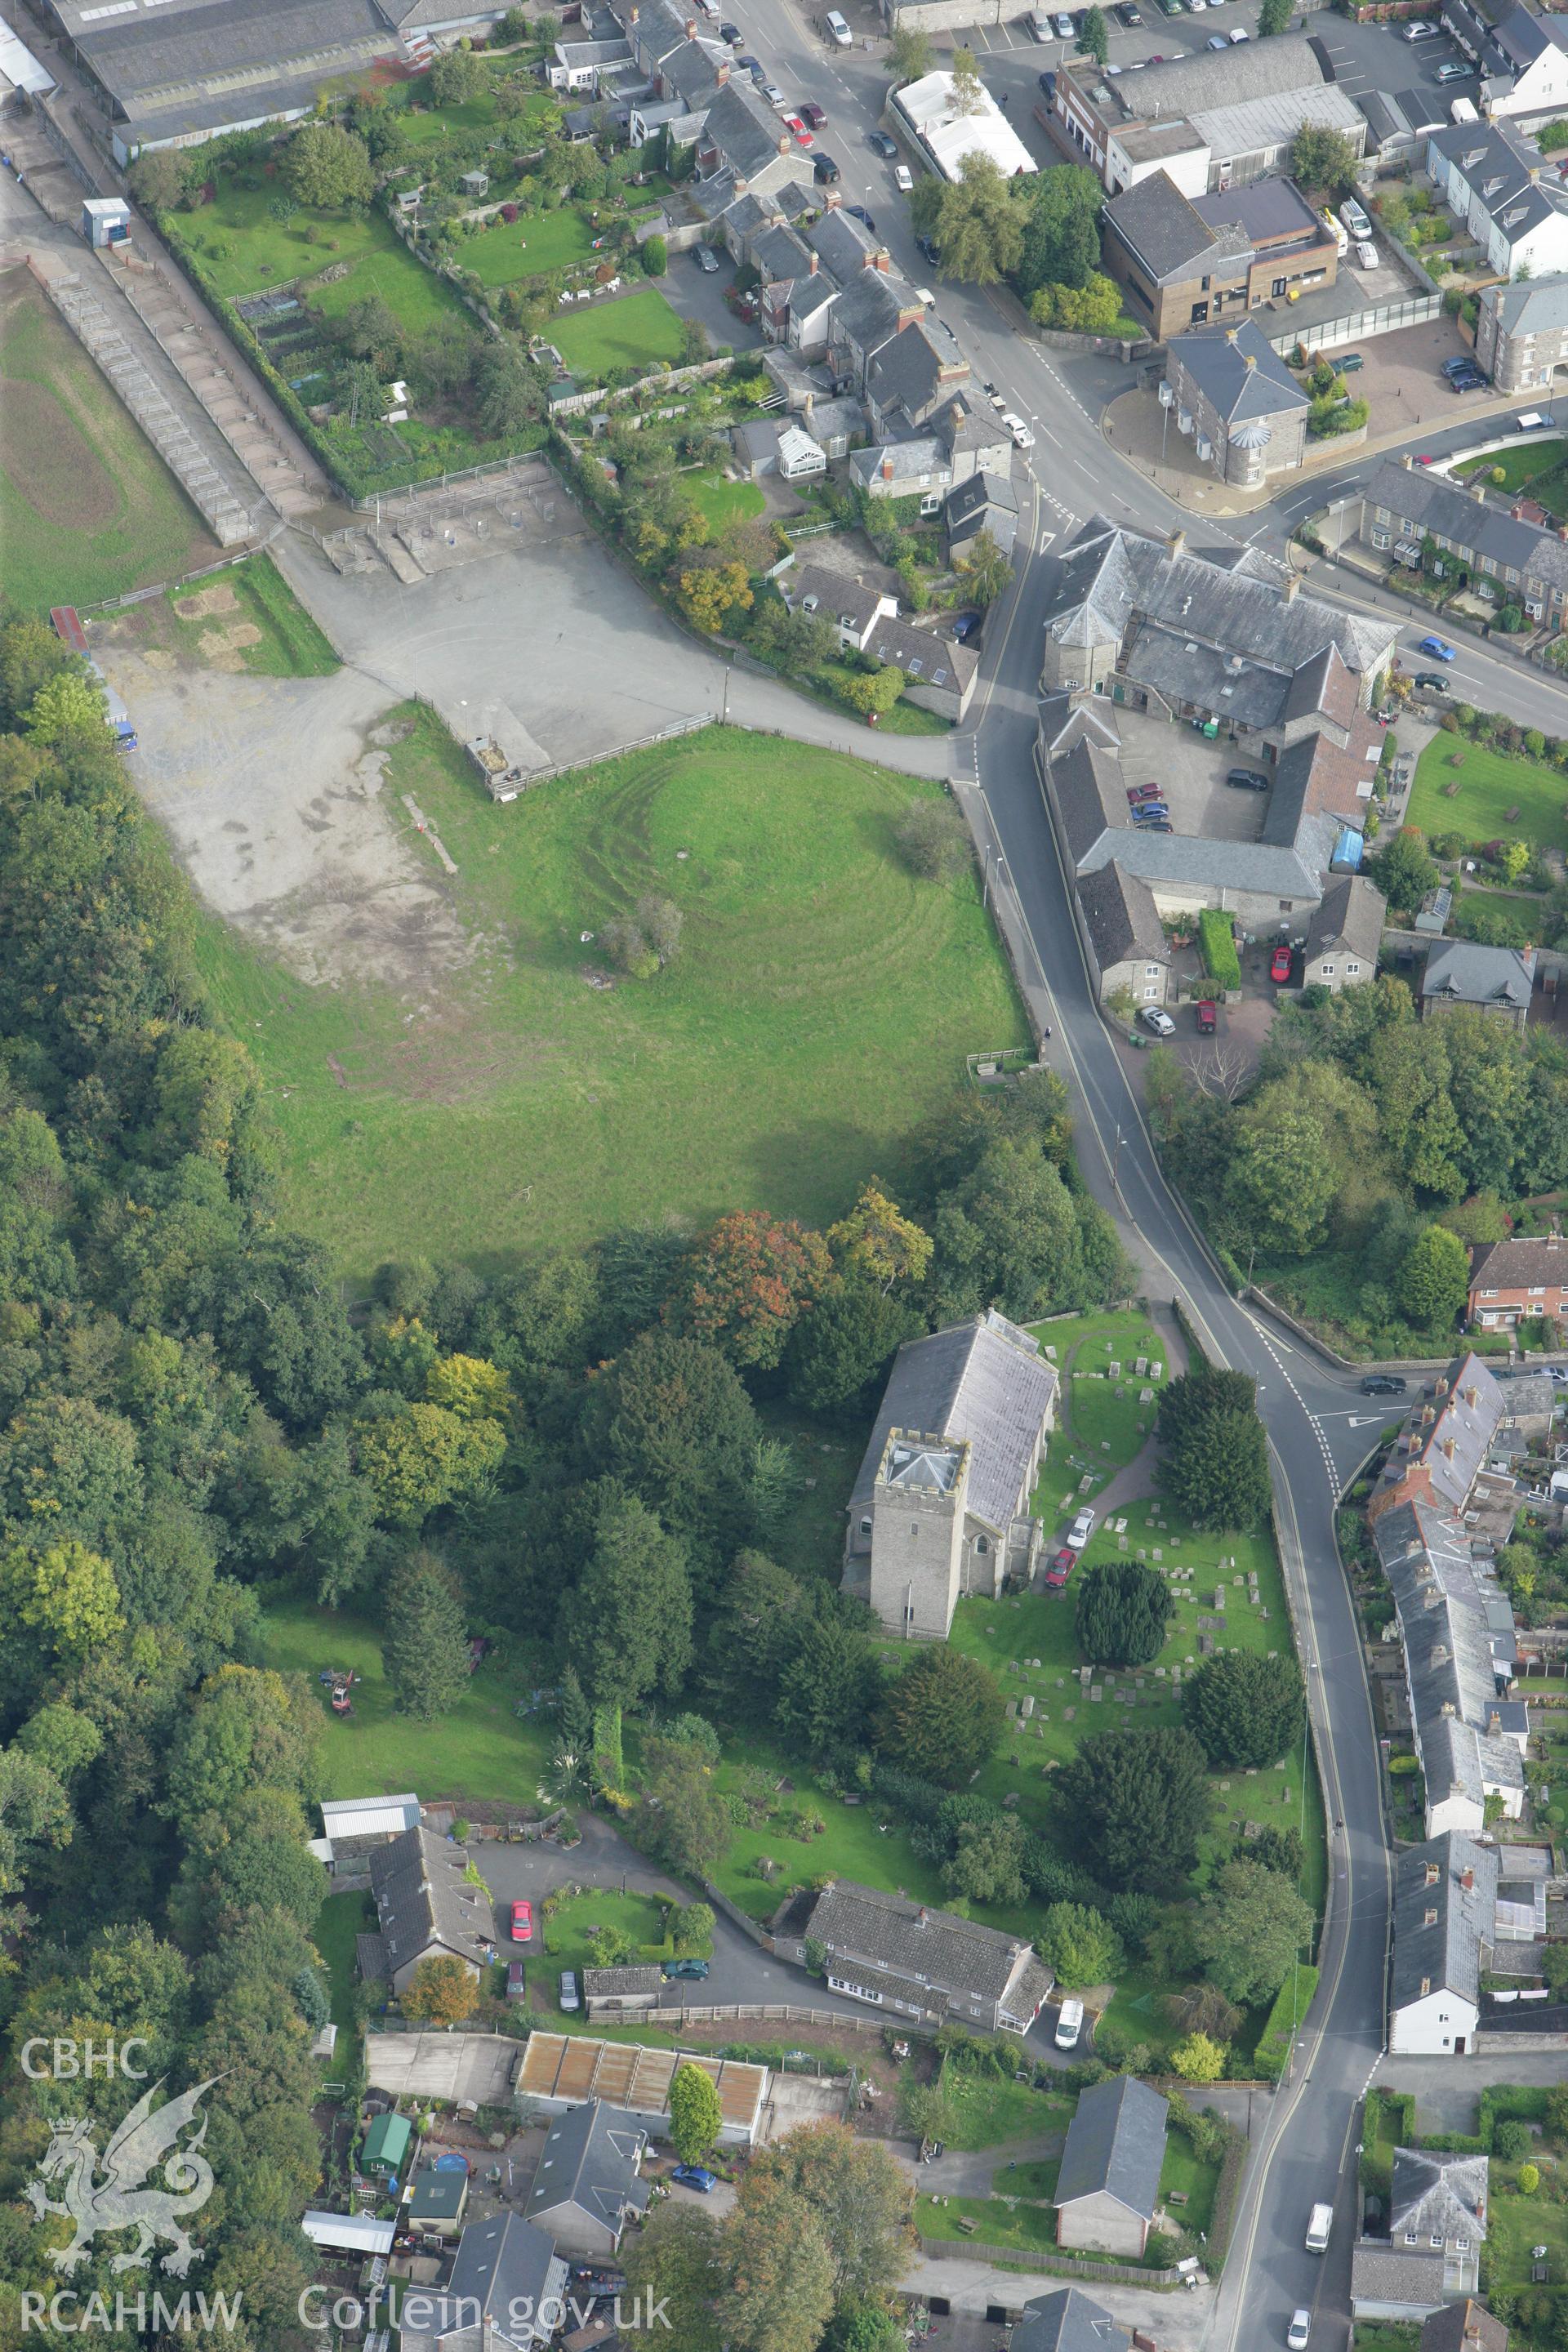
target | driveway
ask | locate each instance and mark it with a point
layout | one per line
(699, 294)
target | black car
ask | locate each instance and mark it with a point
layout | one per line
(825, 170)
(1129, 16)
(1460, 363)
(1431, 680)
(1157, 824)
(732, 34)
(1248, 780)
(931, 250)
(858, 211)
(1471, 381)
(880, 145)
(1049, 84)
(750, 64)
(1382, 1384)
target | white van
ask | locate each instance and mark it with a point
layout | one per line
(1318, 2223)
(1069, 2024)
(1463, 110)
(1354, 219)
(837, 31)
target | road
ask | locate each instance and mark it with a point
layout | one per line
(1316, 1433)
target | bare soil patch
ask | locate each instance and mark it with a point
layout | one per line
(219, 598)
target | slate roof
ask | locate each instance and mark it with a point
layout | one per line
(1437, 2195)
(911, 370)
(1108, 574)
(1534, 307)
(889, 1988)
(1497, 164)
(1520, 1265)
(139, 56)
(1238, 369)
(1461, 972)
(932, 1948)
(590, 2159)
(1381, 2274)
(1464, 2326)
(503, 2268)
(1252, 69)
(903, 461)
(984, 1380)
(1451, 1611)
(421, 1899)
(1166, 232)
(746, 129)
(1324, 687)
(985, 501)
(868, 311)
(853, 602)
(1443, 1952)
(1091, 794)
(438, 2196)
(777, 252)
(1116, 2146)
(1068, 2321)
(846, 246)
(1348, 919)
(1263, 209)
(1123, 921)
(929, 659)
(1422, 501)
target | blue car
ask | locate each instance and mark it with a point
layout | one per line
(1436, 649)
(695, 2176)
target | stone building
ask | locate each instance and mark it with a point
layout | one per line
(1235, 397)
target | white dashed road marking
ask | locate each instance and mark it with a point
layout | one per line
(1314, 1423)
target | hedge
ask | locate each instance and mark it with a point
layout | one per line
(1227, 2196)
(1274, 2044)
(1510, 2102)
(1216, 940)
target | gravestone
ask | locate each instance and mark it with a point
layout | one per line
(1158, 1553)
(1145, 1396)
(1205, 1645)
(1026, 1709)
(1115, 1370)
(1157, 1369)
(1141, 1365)
(1095, 1693)
(1070, 1714)
(1219, 1598)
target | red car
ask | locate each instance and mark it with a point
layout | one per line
(1208, 1017)
(1279, 964)
(522, 1923)
(1145, 793)
(1060, 1568)
(794, 124)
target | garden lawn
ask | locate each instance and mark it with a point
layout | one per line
(1031, 2226)
(1520, 466)
(480, 1750)
(530, 248)
(633, 330)
(1517, 2223)
(724, 502)
(425, 126)
(88, 510)
(1490, 785)
(852, 1844)
(341, 1918)
(1386, 2336)
(904, 718)
(1191, 2179)
(242, 250)
(821, 1007)
(565, 1945)
(990, 2110)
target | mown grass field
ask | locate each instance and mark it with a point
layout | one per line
(724, 502)
(341, 1918)
(481, 1750)
(245, 250)
(1531, 464)
(1490, 785)
(1105, 1423)
(87, 509)
(630, 332)
(509, 250)
(821, 1006)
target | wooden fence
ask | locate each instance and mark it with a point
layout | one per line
(1029, 2258)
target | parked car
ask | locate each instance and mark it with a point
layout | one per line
(1382, 1384)
(568, 1996)
(1049, 84)
(825, 170)
(522, 1923)
(1062, 1566)
(816, 115)
(880, 145)
(1080, 1530)
(1218, 41)
(1458, 364)
(796, 125)
(706, 259)
(1298, 2332)
(1472, 380)
(837, 31)
(967, 625)
(1240, 34)
(1436, 648)
(749, 64)
(1420, 32)
(1145, 791)
(858, 211)
(1156, 824)
(1155, 1017)
(732, 34)
(1453, 69)
(1248, 780)
(1069, 2024)
(1431, 680)
(903, 178)
(774, 95)
(1018, 429)
(1065, 27)
(1208, 1016)
(930, 248)
(1351, 363)
(696, 1970)
(1534, 420)
(695, 2176)
(1279, 964)
(516, 1980)
(1150, 813)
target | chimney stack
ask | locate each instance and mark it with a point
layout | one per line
(887, 466)
(1176, 544)
(1292, 587)
(811, 267)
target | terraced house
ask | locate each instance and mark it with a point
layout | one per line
(1405, 504)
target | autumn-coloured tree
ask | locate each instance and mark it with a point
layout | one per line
(878, 1241)
(469, 1386)
(746, 1283)
(856, 2194)
(874, 690)
(710, 596)
(441, 1992)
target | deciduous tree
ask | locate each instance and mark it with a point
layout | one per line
(1323, 159)
(1197, 2059)
(1247, 1927)
(1434, 1279)
(746, 1283)
(1081, 1944)
(712, 593)
(873, 690)
(909, 54)
(935, 841)
(978, 222)
(439, 1992)
(856, 2194)
(689, 1822)
(985, 570)
(987, 1863)
(329, 167)
(1402, 867)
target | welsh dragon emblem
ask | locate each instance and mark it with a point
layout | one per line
(116, 2199)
